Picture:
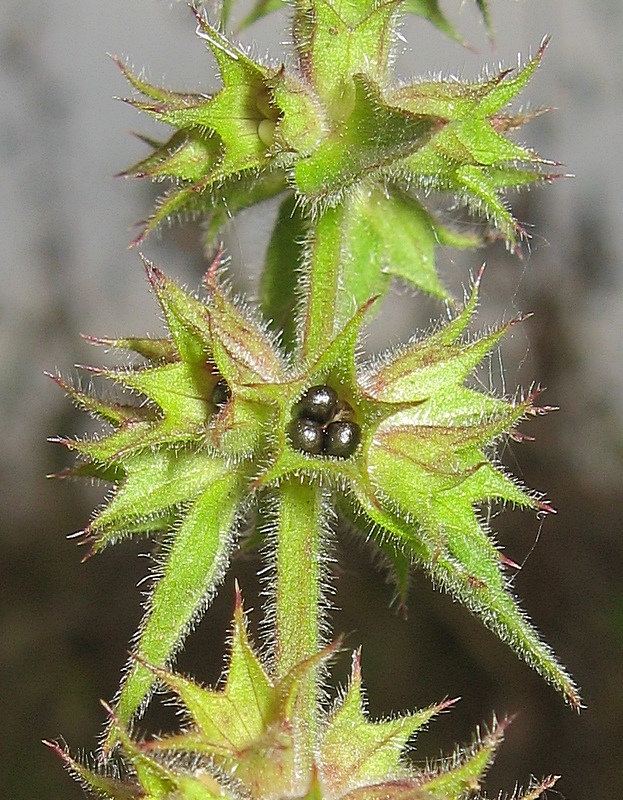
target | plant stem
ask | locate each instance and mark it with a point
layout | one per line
(298, 590)
(323, 281)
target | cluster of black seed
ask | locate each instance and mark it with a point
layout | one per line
(324, 425)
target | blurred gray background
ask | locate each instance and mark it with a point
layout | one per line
(65, 224)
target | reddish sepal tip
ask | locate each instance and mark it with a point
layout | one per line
(508, 562)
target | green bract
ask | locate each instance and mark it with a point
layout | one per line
(189, 468)
(243, 741)
(335, 132)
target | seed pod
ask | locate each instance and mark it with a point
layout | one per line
(341, 439)
(307, 436)
(318, 403)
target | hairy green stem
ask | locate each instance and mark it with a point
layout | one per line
(323, 281)
(298, 590)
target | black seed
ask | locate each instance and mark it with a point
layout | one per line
(341, 439)
(318, 403)
(221, 393)
(307, 435)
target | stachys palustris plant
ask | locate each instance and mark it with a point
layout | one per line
(241, 407)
